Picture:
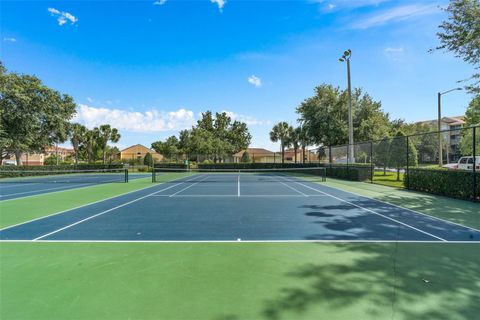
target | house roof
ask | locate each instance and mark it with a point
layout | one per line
(254, 151)
(60, 149)
(138, 145)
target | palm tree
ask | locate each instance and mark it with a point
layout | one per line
(304, 140)
(106, 134)
(295, 140)
(91, 140)
(281, 132)
(77, 137)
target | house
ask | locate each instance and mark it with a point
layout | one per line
(137, 153)
(27, 159)
(452, 135)
(258, 155)
(38, 158)
(62, 153)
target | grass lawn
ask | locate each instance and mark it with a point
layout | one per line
(229, 281)
(388, 179)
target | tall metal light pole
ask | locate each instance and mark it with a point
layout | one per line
(346, 57)
(439, 124)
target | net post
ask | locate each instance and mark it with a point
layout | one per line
(474, 142)
(372, 167)
(153, 174)
(126, 175)
(330, 158)
(407, 175)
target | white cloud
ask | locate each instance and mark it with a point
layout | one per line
(330, 5)
(148, 121)
(251, 121)
(256, 81)
(160, 2)
(62, 17)
(220, 3)
(396, 14)
(394, 53)
(6, 39)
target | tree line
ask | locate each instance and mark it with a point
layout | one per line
(34, 117)
(214, 137)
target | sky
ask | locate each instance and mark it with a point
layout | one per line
(149, 68)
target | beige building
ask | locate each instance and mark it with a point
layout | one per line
(38, 159)
(257, 155)
(138, 152)
(452, 136)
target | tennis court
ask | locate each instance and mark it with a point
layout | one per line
(18, 184)
(241, 206)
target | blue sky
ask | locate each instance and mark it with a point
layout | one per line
(150, 68)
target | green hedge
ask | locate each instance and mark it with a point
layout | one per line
(62, 167)
(170, 166)
(352, 173)
(256, 165)
(450, 183)
(28, 171)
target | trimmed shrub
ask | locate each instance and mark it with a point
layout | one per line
(148, 160)
(170, 165)
(356, 173)
(450, 183)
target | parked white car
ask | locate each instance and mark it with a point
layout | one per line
(9, 163)
(465, 163)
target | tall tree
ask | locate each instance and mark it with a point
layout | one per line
(91, 140)
(295, 140)
(325, 116)
(472, 115)
(168, 149)
(460, 34)
(281, 132)
(399, 153)
(304, 140)
(34, 116)
(107, 133)
(77, 137)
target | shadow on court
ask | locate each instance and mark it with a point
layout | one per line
(382, 281)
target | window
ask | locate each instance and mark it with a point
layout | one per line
(463, 160)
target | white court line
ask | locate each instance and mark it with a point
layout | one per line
(444, 243)
(411, 210)
(63, 190)
(66, 187)
(372, 211)
(14, 184)
(187, 187)
(83, 205)
(286, 185)
(103, 212)
(241, 196)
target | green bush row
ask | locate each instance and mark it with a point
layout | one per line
(352, 173)
(256, 165)
(62, 167)
(450, 183)
(170, 165)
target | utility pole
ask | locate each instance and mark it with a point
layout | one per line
(346, 58)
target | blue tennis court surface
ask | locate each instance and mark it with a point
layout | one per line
(41, 185)
(228, 207)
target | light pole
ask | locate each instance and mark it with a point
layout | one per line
(440, 152)
(346, 57)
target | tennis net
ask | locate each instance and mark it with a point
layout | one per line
(64, 176)
(281, 175)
